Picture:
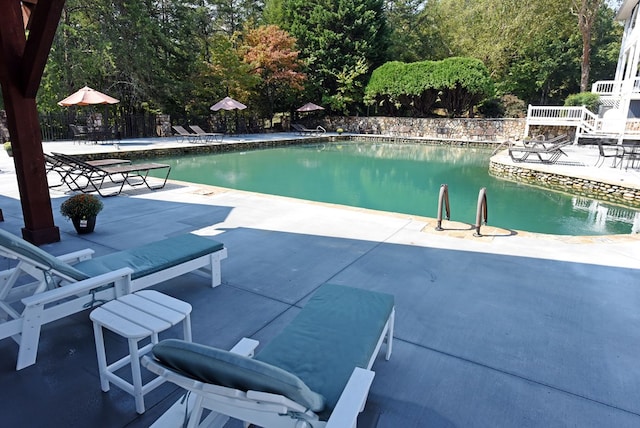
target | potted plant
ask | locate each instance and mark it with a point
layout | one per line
(7, 147)
(82, 209)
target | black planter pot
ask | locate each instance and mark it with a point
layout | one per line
(84, 225)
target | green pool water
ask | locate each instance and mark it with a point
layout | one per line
(404, 178)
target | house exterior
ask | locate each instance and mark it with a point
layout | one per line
(618, 117)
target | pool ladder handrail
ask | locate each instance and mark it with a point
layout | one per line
(481, 211)
(443, 199)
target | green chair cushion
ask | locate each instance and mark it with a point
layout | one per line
(31, 252)
(153, 257)
(337, 330)
(212, 365)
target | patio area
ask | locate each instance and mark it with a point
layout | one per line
(508, 330)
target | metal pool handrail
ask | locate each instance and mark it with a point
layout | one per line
(443, 198)
(481, 211)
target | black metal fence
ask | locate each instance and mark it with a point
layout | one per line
(55, 126)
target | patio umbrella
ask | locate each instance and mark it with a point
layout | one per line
(87, 96)
(310, 107)
(228, 103)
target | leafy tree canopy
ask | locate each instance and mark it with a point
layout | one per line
(334, 38)
(459, 83)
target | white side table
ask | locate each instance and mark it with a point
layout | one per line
(136, 316)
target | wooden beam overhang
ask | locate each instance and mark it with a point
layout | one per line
(22, 62)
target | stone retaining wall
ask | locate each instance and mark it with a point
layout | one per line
(434, 128)
(576, 186)
(427, 141)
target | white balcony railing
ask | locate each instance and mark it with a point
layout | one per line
(559, 114)
(607, 87)
(580, 117)
(614, 88)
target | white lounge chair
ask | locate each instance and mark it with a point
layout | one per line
(316, 373)
(43, 288)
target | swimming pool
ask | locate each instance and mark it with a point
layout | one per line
(404, 178)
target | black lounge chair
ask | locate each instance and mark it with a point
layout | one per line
(85, 177)
(301, 130)
(545, 154)
(540, 140)
(210, 137)
(70, 169)
(184, 135)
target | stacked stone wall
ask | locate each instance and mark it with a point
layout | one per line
(431, 128)
(574, 185)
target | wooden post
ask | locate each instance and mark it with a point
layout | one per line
(22, 63)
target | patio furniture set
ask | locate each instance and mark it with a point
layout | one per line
(107, 177)
(337, 335)
(93, 134)
(550, 151)
(619, 154)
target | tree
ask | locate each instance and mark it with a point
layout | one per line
(80, 55)
(224, 74)
(334, 37)
(270, 53)
(231, 16)
(348, 91)
(413, 27)
(463, 83)
(532, 49)
(587, 13)
(385, 87)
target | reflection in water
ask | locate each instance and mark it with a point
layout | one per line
(403, 178)
(600, 214)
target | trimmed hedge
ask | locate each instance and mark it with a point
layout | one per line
(414, 88)
(589, 99)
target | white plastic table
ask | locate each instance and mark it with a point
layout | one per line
(135, 317)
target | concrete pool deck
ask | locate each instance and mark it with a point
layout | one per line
(508, 329)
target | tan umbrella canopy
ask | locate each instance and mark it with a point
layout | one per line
(310, 107)
(228, 103)
(87, 96)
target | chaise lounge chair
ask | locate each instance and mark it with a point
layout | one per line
(209, 137)
(546, 154)
(301, 130)
(83, 176)
(184, 135)
(541, 141)
(316, 373)
(43, 288)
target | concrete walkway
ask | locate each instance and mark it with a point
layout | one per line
(507, 330)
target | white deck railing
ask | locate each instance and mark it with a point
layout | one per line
(559, 115)
(581, 117)
(613, 88)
